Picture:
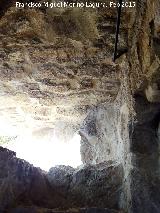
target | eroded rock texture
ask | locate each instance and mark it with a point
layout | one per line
(56, 64)
(132, 120)
(84, 210)
(62, 187)
(55, 70)
(145, 180)
(99, 137)
(143, 152)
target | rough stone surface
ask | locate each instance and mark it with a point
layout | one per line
(141, 143)
(84, 210)
(99, 137)
(58, 72)
(86, 186)
(143, 44)
(51, 72)
(62, 187)
(145, 179)
(20, 182)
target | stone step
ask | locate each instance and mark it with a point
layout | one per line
(82, 210)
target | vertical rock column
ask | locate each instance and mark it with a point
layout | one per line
(145, 174)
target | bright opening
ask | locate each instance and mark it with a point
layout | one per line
(46, 154)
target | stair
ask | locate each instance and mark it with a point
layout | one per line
(82, 210)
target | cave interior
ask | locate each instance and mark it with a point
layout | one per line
(79, 132)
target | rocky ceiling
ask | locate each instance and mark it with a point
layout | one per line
(56, 64)
(55, 68)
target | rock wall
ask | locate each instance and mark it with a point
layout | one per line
(53, 67)
(144, 163)
(143, 58)
(134, 121)
(99, 136)
(63, 187)
(143, 42)
(122, 98)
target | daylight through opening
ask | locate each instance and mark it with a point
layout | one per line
(45, 152)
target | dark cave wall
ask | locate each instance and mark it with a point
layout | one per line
(143, 59)
(62, 188)
(145, 173)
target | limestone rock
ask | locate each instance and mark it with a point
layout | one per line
(58, 72)
(99, 138)
(86, 186)
(60, 178)
(84, 210)
(53, 70)
(89, 184)
(21, 184)
(145, 181)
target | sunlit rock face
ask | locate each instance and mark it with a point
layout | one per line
(52, 71)
(55, 66)
(58, 80)
(144, 49)
(99, 136)
(142, 152)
